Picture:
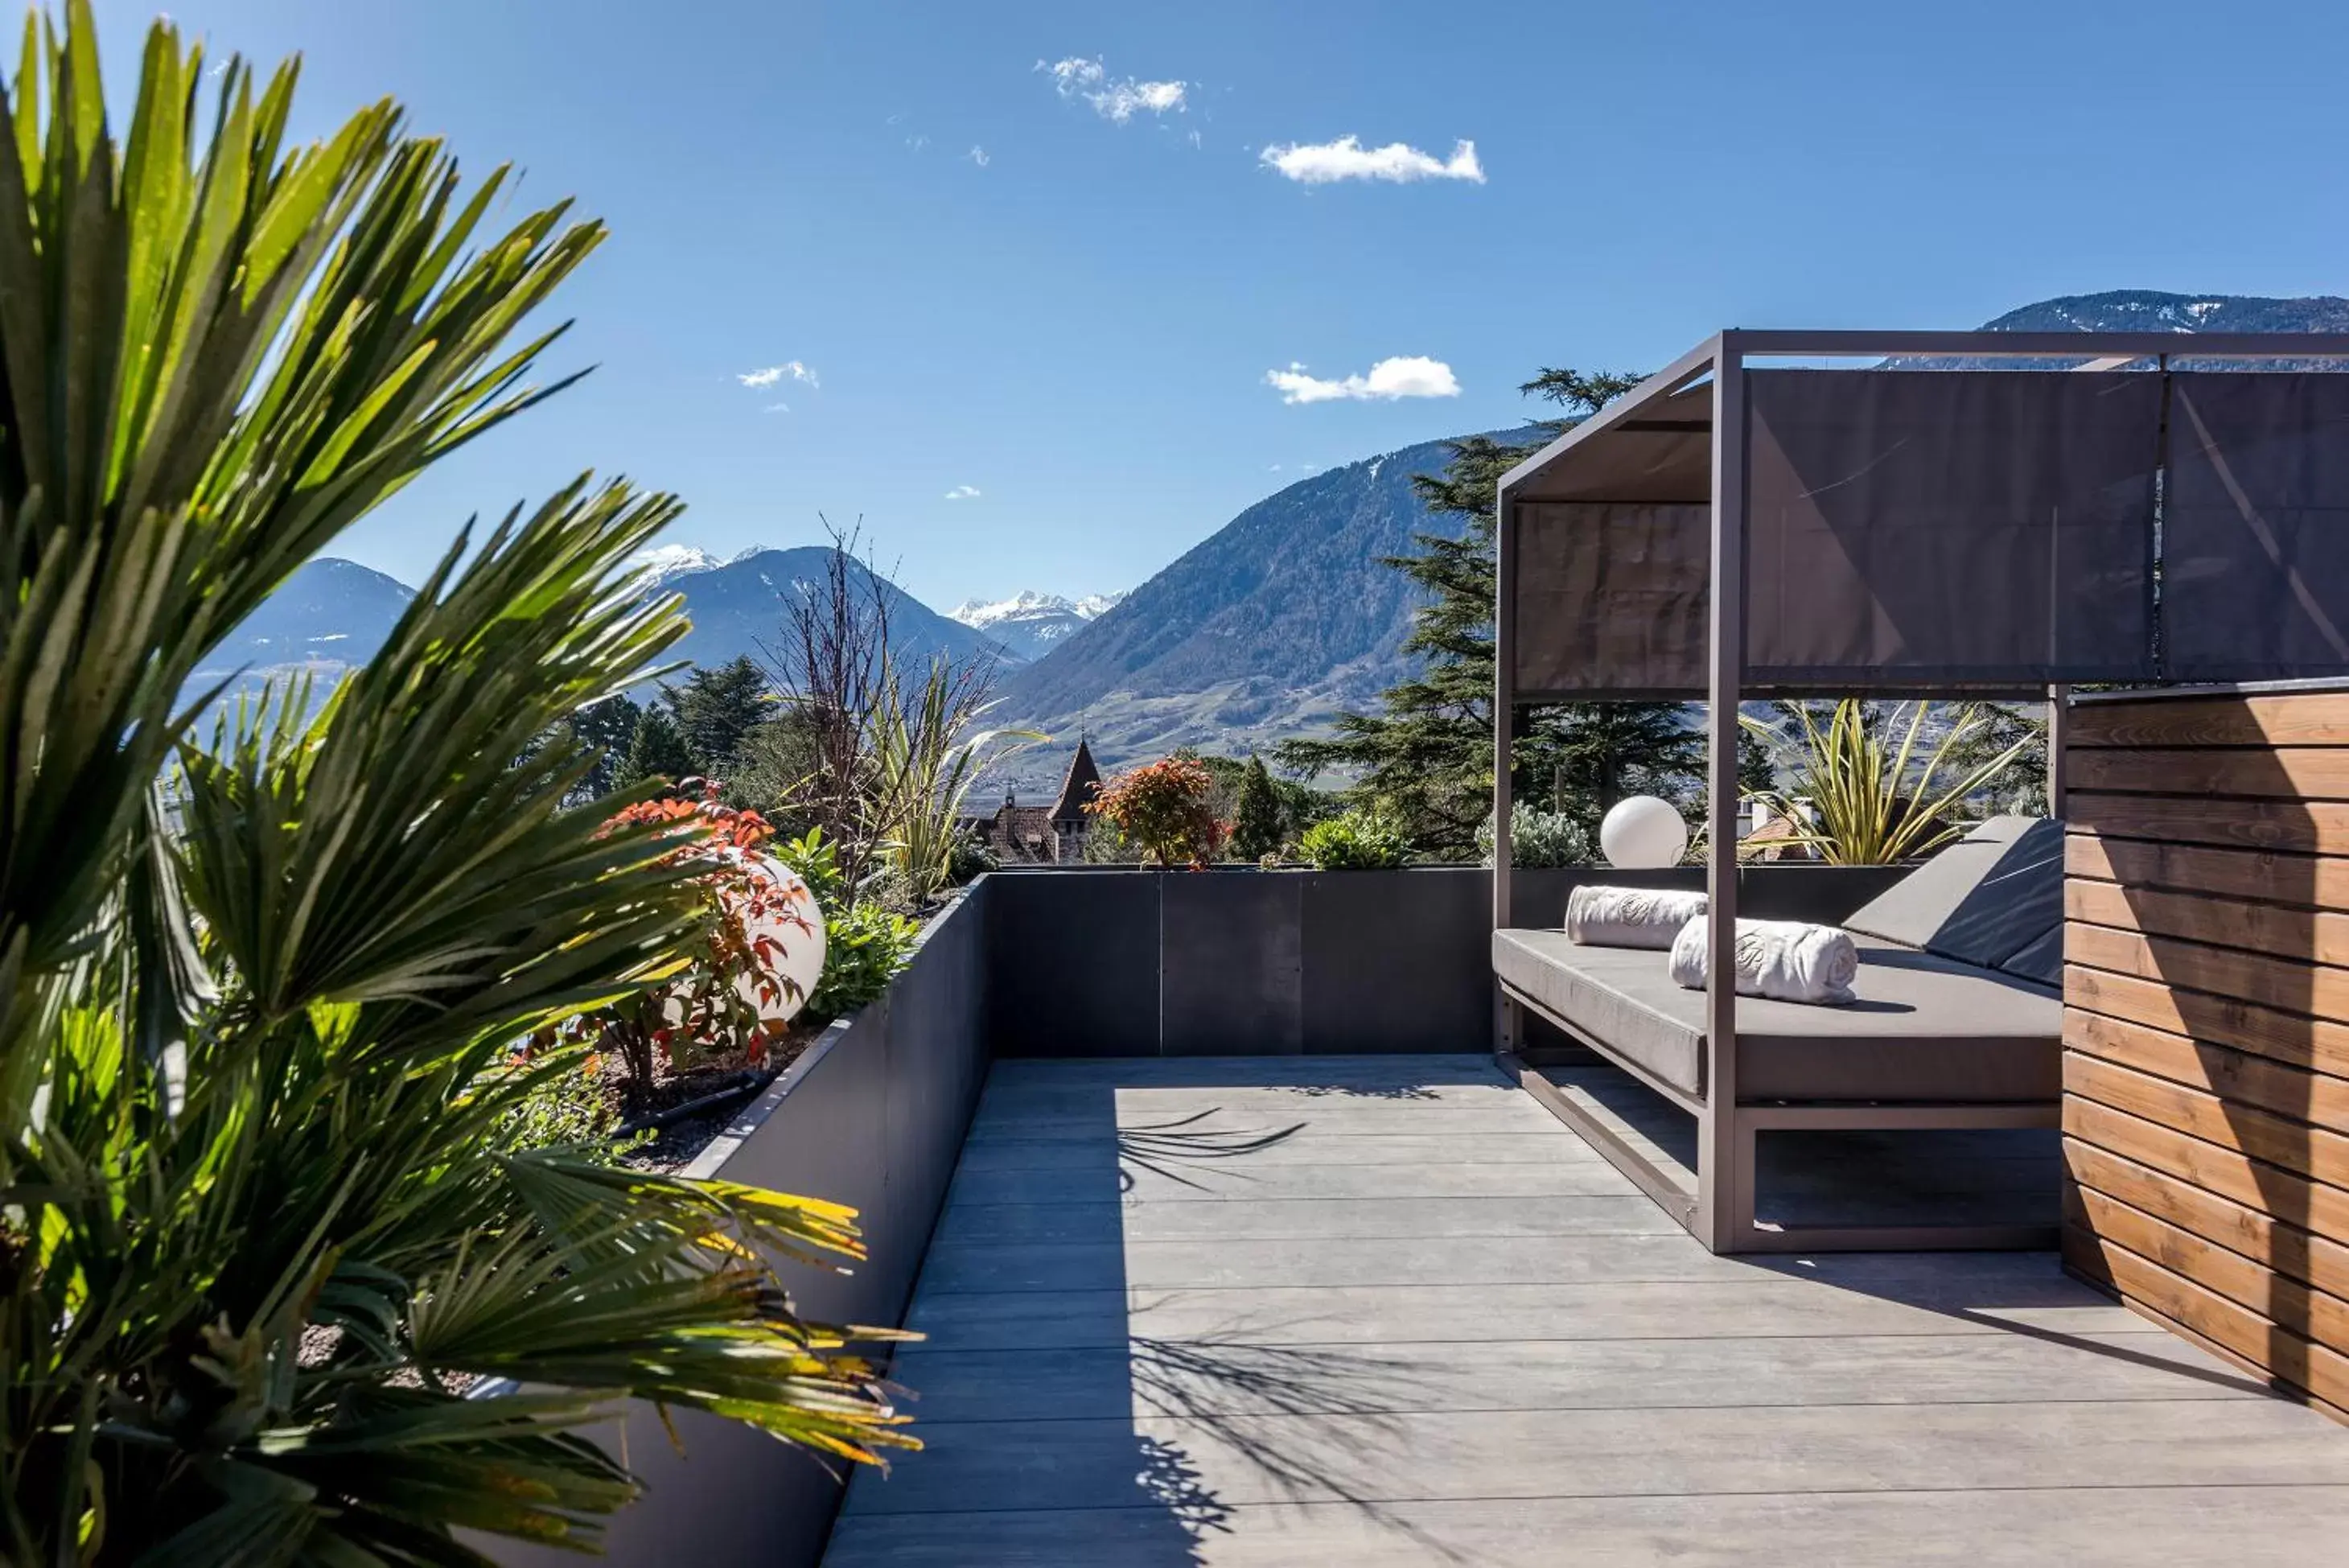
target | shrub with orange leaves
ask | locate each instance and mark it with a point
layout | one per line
(1164, 807)
(715, 1005)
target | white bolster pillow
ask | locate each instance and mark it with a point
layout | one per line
(1601, 917)
(1786, 960)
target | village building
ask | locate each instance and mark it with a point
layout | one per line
(1044, 835)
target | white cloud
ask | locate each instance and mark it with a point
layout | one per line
(1412, 375)
(776, 408)
(963, 492)
(1348, 159)
(977, 155)
(773, 374)
(1114, 98)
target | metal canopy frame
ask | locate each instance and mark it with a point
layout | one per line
(1720, 1211)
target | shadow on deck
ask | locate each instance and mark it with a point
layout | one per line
(1387, 1311)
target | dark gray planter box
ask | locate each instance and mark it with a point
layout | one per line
(1236, 962)
(872, 1115)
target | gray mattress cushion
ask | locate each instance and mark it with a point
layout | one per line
(2043, 961)
(1924, 1028)
(1992, 896)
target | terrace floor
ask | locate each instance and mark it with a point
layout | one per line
(1378, 1311)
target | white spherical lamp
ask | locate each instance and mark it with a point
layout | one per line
(796, 925)
(1640, 833)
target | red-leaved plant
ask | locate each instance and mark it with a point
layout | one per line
(1163, 808)
(714, 1005)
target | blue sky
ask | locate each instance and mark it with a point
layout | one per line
(1081, 328)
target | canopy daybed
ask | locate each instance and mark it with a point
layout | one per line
(1966, 514)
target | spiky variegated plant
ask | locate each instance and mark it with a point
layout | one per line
(926, 758)
(255, 996)
(1868, 803)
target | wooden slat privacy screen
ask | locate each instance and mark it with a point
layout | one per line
(2205, 1026)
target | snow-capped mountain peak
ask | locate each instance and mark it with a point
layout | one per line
(661, 561)
(1028, 623)
(983, 613)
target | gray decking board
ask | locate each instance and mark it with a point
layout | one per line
(980, 1225)
(1478, 1343)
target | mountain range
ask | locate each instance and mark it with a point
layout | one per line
(1269, 627)
(1029, 624)
(333, 614)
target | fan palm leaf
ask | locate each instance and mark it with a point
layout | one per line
(261, 980)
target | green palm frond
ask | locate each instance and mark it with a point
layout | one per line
(261, 1219)
(1868, 803)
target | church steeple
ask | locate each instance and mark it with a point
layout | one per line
(1083, 784)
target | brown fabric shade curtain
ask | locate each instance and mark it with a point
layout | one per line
(2255, 535)
(1611, 599)
(1951, 529)
(1988, 528)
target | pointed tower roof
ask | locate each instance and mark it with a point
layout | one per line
(1083, 784)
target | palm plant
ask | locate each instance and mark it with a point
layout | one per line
(1868, 804)
(925, 760)
(261, 1218)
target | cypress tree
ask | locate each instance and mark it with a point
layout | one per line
(1258, 824)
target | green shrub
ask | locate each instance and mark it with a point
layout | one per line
(1355, 841)
(817, 860)
(564, 1108)
(864, 948)
(865, 945)
(972, 859)
(1539, 837)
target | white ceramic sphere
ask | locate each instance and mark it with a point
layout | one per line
(1641, 833)
(802, 955)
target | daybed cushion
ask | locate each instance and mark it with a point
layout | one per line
(1994, 899)
(1924, 1027)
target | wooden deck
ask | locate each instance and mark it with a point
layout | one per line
(1381, 1310)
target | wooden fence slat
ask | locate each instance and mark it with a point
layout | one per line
(2309, 827)
(2295, 1200)
(2316, 1043)
(2231, 1075)
(2315, 989)
(2261, 928)
(2288, 773)
(2318, 881)
(2313, 1152)
(2257, 1235)
(2279, 719)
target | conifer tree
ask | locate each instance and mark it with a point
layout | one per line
(1426, 757)
(658, 750)
(715, 708)
(610, 728)
(1258, 824)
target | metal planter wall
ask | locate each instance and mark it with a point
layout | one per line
(873, 1116)
(1243, 962)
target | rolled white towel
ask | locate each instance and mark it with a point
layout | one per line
(1601, 917)
(1787, 960)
